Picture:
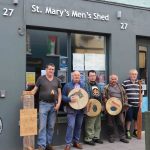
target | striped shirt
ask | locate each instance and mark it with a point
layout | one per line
(132, 91)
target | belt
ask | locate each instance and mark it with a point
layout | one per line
(48, 101)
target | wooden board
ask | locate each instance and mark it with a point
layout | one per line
(28, 122)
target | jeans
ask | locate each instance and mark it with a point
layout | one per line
(47, 118)
(74, 121)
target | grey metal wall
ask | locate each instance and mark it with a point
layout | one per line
(12, 73)
(122, 41)
(122, 48)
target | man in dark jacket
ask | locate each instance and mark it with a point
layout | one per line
(93, 124)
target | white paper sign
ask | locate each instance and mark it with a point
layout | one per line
(78, 61)
(94, 61)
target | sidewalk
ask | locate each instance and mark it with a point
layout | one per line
(135, 144)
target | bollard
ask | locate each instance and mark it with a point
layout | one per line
(147, 130)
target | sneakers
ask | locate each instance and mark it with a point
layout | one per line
(98, 141)
(128, 135)
(134, 133)
(124, 140)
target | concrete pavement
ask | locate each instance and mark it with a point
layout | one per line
(135, 144)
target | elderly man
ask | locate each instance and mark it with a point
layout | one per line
(113, 89)
(50, 98)
(74, 117)
(132, 88)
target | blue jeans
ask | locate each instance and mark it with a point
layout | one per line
(47, 119)
(74, 121)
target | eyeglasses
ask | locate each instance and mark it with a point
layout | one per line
(92, 75)
(51, 69)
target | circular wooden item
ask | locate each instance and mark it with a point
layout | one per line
(113, 106)
(94, 108)
(82, 99)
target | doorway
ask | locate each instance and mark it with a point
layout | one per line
(143, 65)
(69, 52)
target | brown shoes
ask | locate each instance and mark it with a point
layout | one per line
(40, 148)
(50, 147)
(77, 145)
(67, 147)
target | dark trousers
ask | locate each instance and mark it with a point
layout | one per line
(116, 121)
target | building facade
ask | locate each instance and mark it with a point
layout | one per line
(74, 35)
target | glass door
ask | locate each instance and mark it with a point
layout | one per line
(89, 53)
(143, 74)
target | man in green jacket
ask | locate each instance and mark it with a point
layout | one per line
(93, 124)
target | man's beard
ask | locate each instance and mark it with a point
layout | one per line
(92, 82)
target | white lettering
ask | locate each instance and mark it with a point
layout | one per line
(67, 13)
(124, 26)
(52, 11)
(89, 15)
(77, 14)
(8, 12)
(35, 9)
(70, 13)
(97, 16)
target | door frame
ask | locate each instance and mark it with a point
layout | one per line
(145, 42)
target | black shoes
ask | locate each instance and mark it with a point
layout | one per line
(124, 140)
(50, 147)
(93, 141)
(134, 133)
(89, 142)
(98, 141)
(111, 140)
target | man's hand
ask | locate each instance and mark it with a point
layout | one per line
(74, 98)
(57, 107)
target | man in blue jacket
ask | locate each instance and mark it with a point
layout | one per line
(74, 117)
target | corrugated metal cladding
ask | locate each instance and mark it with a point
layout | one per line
(141, 3)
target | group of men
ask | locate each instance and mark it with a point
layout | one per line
(50, 97)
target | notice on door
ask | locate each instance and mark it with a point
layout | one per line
(28, 122)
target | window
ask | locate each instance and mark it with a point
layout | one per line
(88, 53)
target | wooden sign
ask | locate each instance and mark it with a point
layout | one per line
(28, 122)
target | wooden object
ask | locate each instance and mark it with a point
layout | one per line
(28, 122)
(28, 103)
(139, 117)
(113, 106)
(82, 98)
(93, 108)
